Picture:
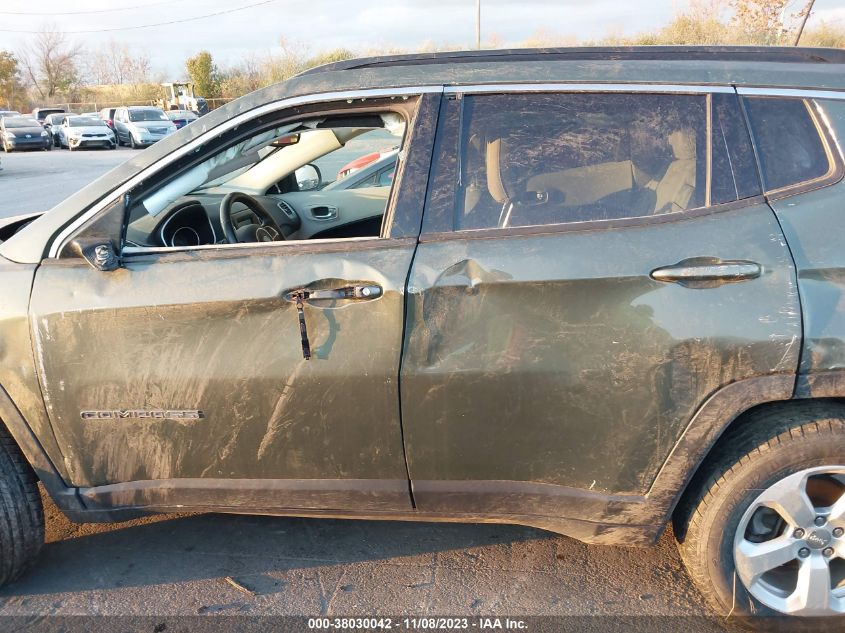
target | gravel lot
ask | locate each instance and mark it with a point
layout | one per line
(171, 566)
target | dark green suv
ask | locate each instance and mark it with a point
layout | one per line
(604, 290)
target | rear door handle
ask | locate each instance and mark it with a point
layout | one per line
(707, 271)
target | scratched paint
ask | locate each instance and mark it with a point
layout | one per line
(217, 335)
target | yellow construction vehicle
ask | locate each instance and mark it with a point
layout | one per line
(180, 96)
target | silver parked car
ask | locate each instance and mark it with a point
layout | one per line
(139, 126)
(76, 132)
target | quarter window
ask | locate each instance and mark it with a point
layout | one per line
(788, 143)
(556, 158)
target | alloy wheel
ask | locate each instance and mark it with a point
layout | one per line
(789, 548)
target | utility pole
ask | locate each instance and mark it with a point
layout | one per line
(804, 21)
(478, 24)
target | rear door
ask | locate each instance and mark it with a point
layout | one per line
(593, 267)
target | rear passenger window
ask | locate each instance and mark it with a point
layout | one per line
(788, 141)
(535, 159)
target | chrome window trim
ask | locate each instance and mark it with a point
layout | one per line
(801, 93)
(589, 87)
(150, 250)
(61, 239)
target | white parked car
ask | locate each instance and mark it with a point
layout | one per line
(85, 131)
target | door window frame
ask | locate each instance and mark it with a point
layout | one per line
(419, 128)
(836, 162)
(439, 222)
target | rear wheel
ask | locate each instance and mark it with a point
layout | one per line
(21, 514)
(763, 532)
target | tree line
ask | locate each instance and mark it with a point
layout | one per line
(52, 68)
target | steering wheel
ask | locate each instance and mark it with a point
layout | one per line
(267, 231)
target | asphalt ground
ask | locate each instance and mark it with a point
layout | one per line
(37, 180)
(172, 566)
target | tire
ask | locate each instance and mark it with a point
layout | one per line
(21, 514)
(768, 447)
(132, 142)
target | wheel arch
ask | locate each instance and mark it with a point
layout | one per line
(33, 452)
(803, 409)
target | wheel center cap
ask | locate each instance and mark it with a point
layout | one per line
(817, 539)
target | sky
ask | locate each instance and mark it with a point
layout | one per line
(315, 25)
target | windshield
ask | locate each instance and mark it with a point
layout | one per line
(84, 121)
(20, 122)
(147, 115)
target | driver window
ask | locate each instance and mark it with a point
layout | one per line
(318, 178)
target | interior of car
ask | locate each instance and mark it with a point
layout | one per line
(321, 178)
(582, 159)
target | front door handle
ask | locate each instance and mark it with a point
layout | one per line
(301, 296)
(707, 272)
(346, 293)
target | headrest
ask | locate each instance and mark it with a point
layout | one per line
(683, 144)
(495, 185)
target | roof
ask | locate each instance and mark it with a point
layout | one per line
(610, 53)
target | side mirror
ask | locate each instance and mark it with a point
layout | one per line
(308, 177)
(99, 254)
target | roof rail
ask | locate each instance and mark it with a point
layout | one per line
(616, 53)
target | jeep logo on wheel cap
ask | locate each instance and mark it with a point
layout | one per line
(818, 539)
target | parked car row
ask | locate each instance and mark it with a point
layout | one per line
(45, 128)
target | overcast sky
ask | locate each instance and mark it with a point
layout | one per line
(324, 24)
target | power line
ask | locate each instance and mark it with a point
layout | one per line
(149, 26)
(90, 12)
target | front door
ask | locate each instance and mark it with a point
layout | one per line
(182, 378)
(592, 268)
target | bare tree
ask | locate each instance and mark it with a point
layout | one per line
(769, 22)
(116, 63)
(50, 62)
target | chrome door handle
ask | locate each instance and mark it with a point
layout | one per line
(346, 293)
(707, 270)
(301, 296)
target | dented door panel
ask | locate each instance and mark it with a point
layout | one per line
(213, 332)
(555, 358)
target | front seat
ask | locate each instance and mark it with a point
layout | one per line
(677, 186)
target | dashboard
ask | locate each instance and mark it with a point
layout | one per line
(194, 220)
